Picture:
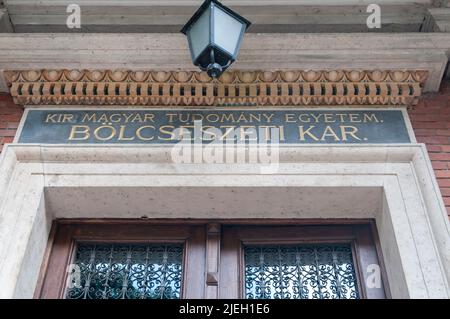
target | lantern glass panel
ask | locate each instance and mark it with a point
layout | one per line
(199, 34)
(227, 31)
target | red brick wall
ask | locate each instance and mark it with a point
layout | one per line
(430, 119)
(10, 115)
(431, 123)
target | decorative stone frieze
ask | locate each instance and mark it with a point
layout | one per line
(235, 88)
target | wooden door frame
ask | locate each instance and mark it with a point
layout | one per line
(209, 247)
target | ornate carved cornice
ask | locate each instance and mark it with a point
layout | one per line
(235, 88)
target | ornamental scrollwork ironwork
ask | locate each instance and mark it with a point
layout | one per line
(121, 271)
(300, 272)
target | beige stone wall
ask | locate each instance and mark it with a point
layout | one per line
(393, 184)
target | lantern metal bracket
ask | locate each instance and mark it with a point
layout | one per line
(214, 69)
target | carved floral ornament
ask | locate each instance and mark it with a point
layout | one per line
(235, 88)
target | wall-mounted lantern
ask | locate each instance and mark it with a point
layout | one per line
(215, 33)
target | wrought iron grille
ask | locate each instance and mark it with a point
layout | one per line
(124, 271)
(300, 272)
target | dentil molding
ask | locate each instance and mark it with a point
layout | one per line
(235, 88)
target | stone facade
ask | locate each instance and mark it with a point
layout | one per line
(430, 120)
(10, 115)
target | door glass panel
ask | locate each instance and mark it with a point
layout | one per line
(300, 272)
(124, 271)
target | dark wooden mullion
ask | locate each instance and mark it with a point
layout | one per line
(358, 270)
(60, 256)
(46, 261)
(379, 254)
(194, 263)
(231, 277)
(212, 261)
(365, 255)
